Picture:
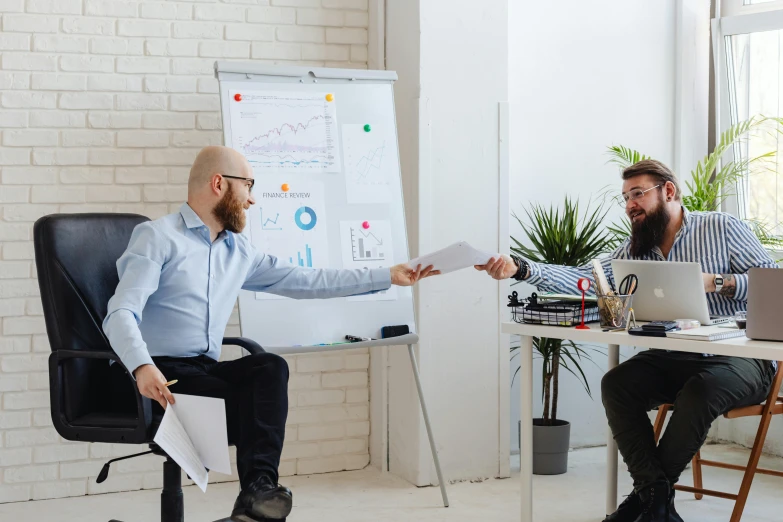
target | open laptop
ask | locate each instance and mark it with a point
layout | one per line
(765, 286)
(667, 291)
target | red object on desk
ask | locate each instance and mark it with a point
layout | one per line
(584, 285)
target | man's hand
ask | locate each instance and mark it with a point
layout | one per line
(404, 275)
(501, 268)
(152, 384)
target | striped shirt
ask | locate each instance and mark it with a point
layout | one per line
(719, 242)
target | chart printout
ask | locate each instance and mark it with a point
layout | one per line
(285, 131)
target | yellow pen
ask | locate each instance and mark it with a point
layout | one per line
(172, 382)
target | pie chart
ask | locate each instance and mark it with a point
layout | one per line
(311, 219)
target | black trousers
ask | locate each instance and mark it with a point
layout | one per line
(701, 389)
(255, 389)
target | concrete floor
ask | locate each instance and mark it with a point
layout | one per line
(365, 495)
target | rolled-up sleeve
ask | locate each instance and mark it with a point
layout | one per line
(272, 275)
(745, 252)
(139, 269)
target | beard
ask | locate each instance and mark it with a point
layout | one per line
(648, 233)
(230, 212)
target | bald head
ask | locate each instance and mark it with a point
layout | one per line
(216, 160)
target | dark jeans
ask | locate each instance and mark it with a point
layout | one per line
(255, 389)
(701, 389)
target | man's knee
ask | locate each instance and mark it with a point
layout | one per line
(271, 364)
(614, 381)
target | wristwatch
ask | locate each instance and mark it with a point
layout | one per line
(718, 283)
(522, 268)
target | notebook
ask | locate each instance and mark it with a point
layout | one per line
(707, 333)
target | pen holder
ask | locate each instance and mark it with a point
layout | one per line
(613, 310)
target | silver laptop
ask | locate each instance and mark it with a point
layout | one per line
(667, 291)
(765, 286)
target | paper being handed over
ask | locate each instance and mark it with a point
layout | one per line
(193, 433)
(454, 257)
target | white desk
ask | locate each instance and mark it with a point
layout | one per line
(740, 346)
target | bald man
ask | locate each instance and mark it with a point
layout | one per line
(179, 279)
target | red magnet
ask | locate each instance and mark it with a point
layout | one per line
(366, 225)
(238, 97)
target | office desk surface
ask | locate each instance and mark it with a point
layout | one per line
(738, 347)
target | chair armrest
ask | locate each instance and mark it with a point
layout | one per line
(248, 344)
(138, 434)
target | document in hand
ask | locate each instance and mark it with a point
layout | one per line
(193, 433)
(454, 257)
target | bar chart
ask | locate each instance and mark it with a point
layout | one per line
(307, 260)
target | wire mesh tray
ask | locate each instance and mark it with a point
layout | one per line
(538, 310)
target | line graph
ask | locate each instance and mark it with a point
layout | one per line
(370, 164)
(288, 131)
(265, 222)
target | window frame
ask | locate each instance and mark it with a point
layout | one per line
(723, 28)
(738, 7)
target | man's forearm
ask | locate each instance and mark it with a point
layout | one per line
(729, 285)
(729, 288)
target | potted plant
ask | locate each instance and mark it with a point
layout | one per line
(713, 180)
(559, 237)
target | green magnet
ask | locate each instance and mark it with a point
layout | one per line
(367, 128)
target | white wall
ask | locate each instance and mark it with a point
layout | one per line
(103, 106)
(453, 56)
(583, 76)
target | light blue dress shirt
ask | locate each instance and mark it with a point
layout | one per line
(177, 288)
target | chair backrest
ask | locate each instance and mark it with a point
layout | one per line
(76, 256)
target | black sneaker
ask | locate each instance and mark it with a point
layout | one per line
(629, 510)
(655, 503)
(263, 500)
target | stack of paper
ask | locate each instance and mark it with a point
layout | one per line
(193, 433)
(452, 258)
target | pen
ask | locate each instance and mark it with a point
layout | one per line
(172, 382)
(332, 344)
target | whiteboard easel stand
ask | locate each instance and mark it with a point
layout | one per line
(402, 340)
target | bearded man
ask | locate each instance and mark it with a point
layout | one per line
(700, 387)
(179, 279)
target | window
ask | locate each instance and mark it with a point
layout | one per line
(754, 69)
(750, 69)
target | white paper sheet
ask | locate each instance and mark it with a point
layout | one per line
(204, 420)
(173, 439)
(193, 433)
(454, 257)
(368, 248)
(292, 224)
(370, 164)
(285, 131)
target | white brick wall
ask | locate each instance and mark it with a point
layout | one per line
(103, 105)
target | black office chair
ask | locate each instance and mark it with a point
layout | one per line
(76, 257)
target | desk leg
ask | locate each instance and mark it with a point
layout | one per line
(611, 446)
(429, 428)
(526, 416)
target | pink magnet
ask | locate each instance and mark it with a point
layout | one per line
(366, 225)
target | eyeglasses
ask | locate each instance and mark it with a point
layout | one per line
(635, 194)
(249, 180)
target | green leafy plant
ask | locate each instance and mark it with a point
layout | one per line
(712, 180)
(561, 237)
